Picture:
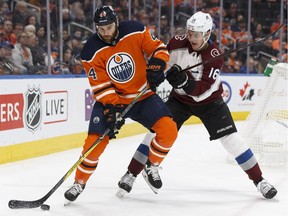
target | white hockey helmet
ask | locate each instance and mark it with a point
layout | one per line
(200, 22)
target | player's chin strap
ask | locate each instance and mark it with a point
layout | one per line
(235, 50)
(205, 40)
(16, 204)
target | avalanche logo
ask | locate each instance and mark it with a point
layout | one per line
(121, 67)
(33, 108)
(214, 52)
(247, 92)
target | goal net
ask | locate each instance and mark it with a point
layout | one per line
(266, 128)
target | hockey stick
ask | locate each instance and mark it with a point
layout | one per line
(235, 50)
(16, 204)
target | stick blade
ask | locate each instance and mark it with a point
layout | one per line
(17, 204)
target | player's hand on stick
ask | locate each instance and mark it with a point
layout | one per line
(179, 79)
(113, 123)
(155, 72)
(176, 77)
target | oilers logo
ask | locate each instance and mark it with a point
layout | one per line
(121, 67)
(103, 14)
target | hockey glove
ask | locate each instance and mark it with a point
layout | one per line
(176, 77)
(179, 79)
(155, 72)
(113, 123)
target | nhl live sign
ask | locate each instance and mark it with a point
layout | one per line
(41, 107)
(37, 108)
(49, 109)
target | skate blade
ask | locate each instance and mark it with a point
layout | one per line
(121, 192)
(276, 198)
(155, 190)
(67, 202)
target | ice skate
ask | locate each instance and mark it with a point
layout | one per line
(125, 184)
(152, 177)
(73, 192)
(266, 189)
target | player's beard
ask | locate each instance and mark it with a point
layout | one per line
(109, 38)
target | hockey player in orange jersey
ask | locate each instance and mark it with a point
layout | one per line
(114, 61)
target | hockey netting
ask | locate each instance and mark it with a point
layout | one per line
(266, 128)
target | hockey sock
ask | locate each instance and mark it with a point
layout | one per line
(89, 164)
(166, 134)
(141, 155)
(248, 163)
(236, 146)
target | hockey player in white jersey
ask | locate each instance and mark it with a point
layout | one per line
(197, 92)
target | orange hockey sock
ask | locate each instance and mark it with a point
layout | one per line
(89, 164)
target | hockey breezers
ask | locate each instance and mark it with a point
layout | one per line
(17, 204)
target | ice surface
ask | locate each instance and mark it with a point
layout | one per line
(197, 181)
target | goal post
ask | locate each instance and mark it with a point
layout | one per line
(266, 127)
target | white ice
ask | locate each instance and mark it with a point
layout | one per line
(197, 181)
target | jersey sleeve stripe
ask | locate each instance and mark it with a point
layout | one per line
(95, 92)
(132, 95)
(98, 97)
(100, 86)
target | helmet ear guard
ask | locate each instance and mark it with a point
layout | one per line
(206, 35)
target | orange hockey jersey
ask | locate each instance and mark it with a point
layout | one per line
(117, 73)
